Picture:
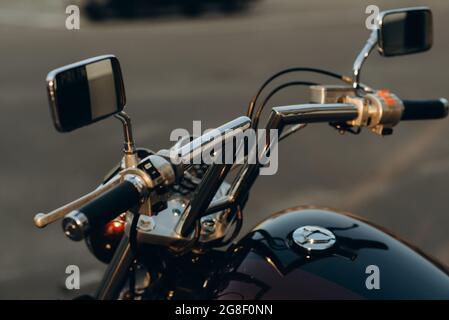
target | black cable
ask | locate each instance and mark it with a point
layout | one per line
(285, 71)
(273, 92)
(134, 249)
(133, 235)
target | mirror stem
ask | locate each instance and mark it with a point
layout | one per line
(130, 154)
(358, 63)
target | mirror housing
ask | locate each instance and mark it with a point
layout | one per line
(85, 92)
(405, 31)
(393, 36)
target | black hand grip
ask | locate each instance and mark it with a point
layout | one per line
(425, 109)
(100, 211)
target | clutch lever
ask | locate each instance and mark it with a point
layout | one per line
(43, 219)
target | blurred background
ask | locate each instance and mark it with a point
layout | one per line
(205, 63)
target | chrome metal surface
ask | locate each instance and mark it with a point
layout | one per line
(166, 177)
(139, 173)
(75, 225)
(43, 219)
(363, 55)
(191, 151)
(146, 223)
(164, 168)
(52, 74)
(330, 93)
(130, 158)
(216, 225)
(313, 238)
(292, 130)
(160, 229)
(203, 197)
(137, 182)
(164, 226)
(379, 111)
(309, 113)
(385, 111)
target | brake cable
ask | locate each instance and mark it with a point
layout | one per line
(252, 103)
(273, 92)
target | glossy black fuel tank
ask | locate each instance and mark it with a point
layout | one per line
(267, 264)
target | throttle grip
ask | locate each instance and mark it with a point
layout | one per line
(425, 109)
(105, 208)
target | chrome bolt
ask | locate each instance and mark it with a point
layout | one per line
(146, 223)
(176, 212)
(208, 226)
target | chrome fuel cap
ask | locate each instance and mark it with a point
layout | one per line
(313, 238)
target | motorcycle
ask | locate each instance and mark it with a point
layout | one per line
(166, 225)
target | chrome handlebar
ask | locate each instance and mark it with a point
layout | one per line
(377, 111)
(188, 153)
(184, 156)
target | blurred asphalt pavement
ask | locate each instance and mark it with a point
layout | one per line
(177, 70)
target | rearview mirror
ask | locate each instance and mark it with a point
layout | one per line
(405, 31)
(85, 92)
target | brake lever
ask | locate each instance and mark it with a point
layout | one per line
(43, 219)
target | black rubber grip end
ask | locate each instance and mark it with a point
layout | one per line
(425, 109)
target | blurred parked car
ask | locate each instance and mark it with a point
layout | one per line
(102, 9)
